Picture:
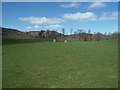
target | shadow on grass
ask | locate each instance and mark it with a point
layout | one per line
(19, 41)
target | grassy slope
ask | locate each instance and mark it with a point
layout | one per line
(73, 64)
(0, 65)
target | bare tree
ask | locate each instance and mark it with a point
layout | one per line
(109, 33)
(63, 31)
(105, 33)
(89, 31)
(79, 31)
(75, 32)
(105, 36)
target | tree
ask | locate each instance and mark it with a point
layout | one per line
(109, 33)
(105, 36)
(89, 31)
(105, 33)
(63, 31)
(75, 32)
(79, 31)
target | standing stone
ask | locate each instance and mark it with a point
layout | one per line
(54, 40)
(65, 41)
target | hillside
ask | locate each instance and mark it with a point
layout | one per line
(8, 33)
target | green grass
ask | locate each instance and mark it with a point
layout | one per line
(0, 65)
(38, 64)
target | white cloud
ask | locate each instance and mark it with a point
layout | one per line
(36, 26)
(31, 27)
(88, 16)
(97, 5)
(28, 27)
(40, 20)
(52, 27)
(109, 16)
(70, 5)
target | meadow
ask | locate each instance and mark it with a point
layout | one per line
(44, 64)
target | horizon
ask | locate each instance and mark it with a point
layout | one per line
(95, 16)
(77, 32)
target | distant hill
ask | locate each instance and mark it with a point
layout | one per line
(8, 33)
(15, 34)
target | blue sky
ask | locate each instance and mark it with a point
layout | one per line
(34, 16)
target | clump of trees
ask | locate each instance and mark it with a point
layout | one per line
(97, 36)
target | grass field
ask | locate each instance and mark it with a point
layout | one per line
(44, 64)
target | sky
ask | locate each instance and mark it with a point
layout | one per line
(33, 16)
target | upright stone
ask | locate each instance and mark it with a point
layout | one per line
(54, 40)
